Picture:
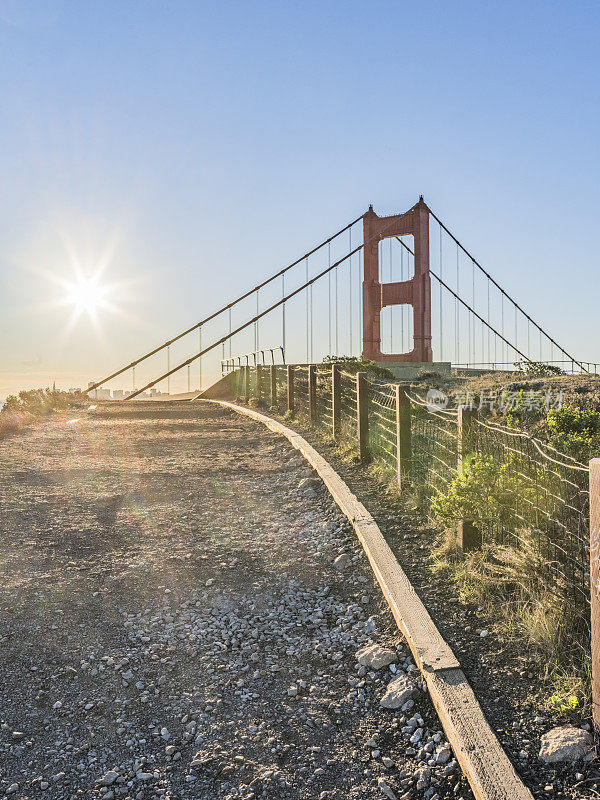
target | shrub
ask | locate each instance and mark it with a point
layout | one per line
(574, 431)
(359, 364)
(20, 410)
(538, 369)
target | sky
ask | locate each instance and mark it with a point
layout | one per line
(182, 151)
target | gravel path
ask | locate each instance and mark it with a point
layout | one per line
(173, 624)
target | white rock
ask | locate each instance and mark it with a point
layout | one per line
(109, 778)
(417, 736)
(398, 691)
(342, 561)
(385, 789)
(375, 657)
(370, 625)
(565, 743)
(305, 483)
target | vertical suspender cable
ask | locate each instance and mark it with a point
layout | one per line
(310, 289)
(504, 357)
(482, 342)
(200, 359)
(307, 313)
(350, 294)
(257, 337)
(329, 299)
(456, 318)
(402, 307)
(489, 358)
(133, 378)
(283, 314)
(168, 368)
(473, 306)
(360, 299)
(230, 332)
(469, 336)
(391, 307)
(337, 347)
(441, 299)
(189, 382)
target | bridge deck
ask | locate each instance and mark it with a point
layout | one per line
(170, 611)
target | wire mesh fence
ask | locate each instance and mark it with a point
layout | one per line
(280, 387)
(434, 449)
(301, 399)
(382, 423)
(348, 404)
(534, 496)
(324, 398)
(540, 498)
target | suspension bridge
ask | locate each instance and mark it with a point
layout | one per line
(401, 290)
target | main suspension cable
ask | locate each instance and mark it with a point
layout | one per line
(508, 297)
(245, 325)
(224, 308)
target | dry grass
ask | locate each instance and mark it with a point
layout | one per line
(511, 582)
(22, 410)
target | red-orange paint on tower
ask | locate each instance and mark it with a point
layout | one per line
(415, 292)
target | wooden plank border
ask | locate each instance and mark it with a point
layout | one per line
(479, 753)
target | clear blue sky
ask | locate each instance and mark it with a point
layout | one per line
(195, 147)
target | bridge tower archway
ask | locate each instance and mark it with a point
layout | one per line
(415, 291)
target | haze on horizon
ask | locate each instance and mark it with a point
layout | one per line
(177, 153)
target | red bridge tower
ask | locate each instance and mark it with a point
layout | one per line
(415, 292)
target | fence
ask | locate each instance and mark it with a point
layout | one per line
(530, 495)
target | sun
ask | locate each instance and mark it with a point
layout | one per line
(86, 295)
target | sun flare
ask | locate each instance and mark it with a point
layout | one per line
(86, 295)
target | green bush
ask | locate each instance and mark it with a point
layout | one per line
(574, 431)
(478, 494)
(360, 364)
(498, 495)
(538, 369)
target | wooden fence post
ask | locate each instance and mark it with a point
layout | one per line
(469, 535)
(258, 382)
(362, 413)
(290, 389)
(273, 373)
(312, 393)
(403, 438)
(595, 584)
(336, 399)
(247, 383)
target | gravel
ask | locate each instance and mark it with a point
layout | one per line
(175, 623)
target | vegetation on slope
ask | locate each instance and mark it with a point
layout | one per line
(21, 410)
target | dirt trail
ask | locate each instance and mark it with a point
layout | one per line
(172, 623)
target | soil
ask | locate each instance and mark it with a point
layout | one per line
(173, 625)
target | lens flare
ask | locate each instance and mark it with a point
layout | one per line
(86, 295)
